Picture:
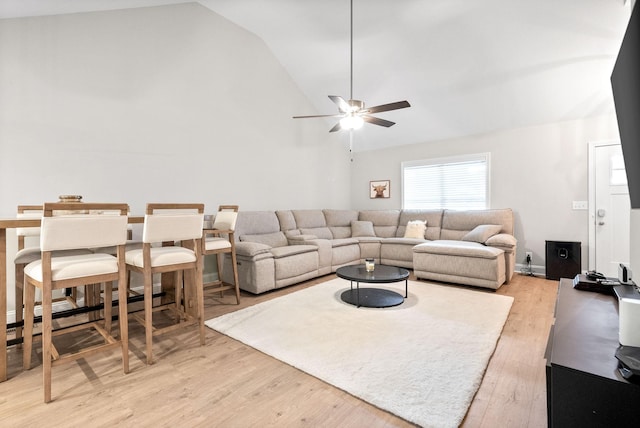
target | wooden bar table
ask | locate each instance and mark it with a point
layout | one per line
(12, 223)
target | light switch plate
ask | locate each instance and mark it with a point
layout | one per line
(580, 205)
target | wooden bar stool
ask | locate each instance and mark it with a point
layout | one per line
(68, 232)
(219, 240)
(165, 224)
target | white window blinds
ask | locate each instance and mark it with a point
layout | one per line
(458, 183)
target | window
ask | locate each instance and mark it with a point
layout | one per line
(459, 183)
(618, 176)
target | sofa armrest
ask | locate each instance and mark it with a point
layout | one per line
(251, 249)
(503, 241)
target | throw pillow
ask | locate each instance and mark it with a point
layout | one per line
(502, 240)
(362, 228)
(482, 232)
(415, 229)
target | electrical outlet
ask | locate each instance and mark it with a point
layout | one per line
(528, 255)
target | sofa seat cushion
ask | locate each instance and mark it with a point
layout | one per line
(458, 248)
(343, 242)
(371, 239)
(292, 250)
(404, 241)
(398, 251)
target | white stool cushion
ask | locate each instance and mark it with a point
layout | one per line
(212, 244)
(27, 255)
(161, 256)
(31, 254)
(68, 267)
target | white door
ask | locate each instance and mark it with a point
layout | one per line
(612, 210)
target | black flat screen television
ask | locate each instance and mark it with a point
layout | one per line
(625, 82)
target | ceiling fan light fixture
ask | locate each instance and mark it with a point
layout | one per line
(353, 112)
(355, 105)
(351, 122)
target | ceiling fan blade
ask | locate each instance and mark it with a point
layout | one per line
(387, 107)
(377, 121)
(318, 115)
(343, 106)
(336, 128)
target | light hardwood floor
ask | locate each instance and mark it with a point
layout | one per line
(228, 384)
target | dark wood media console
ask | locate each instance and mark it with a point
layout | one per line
(584, 388)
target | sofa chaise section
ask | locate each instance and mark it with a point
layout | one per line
(475, 248)
(460, 262)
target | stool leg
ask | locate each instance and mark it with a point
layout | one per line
(46, 343)
(219, 262)
(234, 263)
(108, 302)
(178, 283)
(148, 315)
(19, 299)
(30, 299)
(123, 319)
(200, 299)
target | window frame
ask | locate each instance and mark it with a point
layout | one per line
(485, 156)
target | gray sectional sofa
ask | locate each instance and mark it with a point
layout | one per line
(279, 248)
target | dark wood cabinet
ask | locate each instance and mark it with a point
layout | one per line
(584, 388)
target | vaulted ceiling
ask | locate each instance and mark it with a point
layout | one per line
(466, 66)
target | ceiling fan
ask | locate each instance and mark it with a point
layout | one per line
(353, 113)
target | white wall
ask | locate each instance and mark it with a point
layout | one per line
(170, 103)
(536, 171)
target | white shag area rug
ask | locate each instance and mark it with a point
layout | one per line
(423, 360)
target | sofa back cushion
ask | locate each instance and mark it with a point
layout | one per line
(432, 217)
(456, 224)
(339, 222)
(287, 222)
(312, 222)
(256, 222)
(385, 222)
(309, 218)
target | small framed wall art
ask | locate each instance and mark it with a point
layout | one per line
(379, 189)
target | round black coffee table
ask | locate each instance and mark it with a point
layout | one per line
(373, 297)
